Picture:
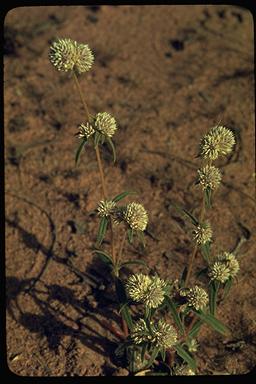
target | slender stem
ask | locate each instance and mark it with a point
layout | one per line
(193, 255)
(101, 172)
(190, 265)
(81, 95)
(121, 247)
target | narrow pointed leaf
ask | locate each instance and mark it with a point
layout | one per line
(112, 146)
(152, 357)
(162, 352)
(141, 262)
(213, 294)
(195, 329)
(216, 324)
(172, 307)
(205, 249)
(97, 137)
(143, 351)
(208, 197)
(140, 235)
(79, 150)
(122, 196)
(104, 256)
(130, 235)
(102, 230)
(185, 356)
(127, 317)
(193, 219)
(227, 287)
(183, 277)
(182, 211)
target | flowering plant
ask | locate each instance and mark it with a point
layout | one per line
(160, 319)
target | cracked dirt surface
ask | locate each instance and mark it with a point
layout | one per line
(168, 74)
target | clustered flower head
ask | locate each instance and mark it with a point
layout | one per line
(136, 216)
(209, 177)
(196, 297)
(149, 290)
(106, 208)
(67, 55)
(184, 370)
(203, 233)
(105, 124)
(192, 345)
(218, 141)
(85, 130)
(160, 334)
(224, 268)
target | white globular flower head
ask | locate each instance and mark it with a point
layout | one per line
(85, 130)
(136, 216)
(219, 272)
(192, 345)
(148, 290)
(209, 177)
(218, 141)
(140, 332)
(161, 334)
(106, 208)
(164, 334)
(67, 55)
(184, 370)
(203, 233)
(105, 123)
(197, 298)
(231, 262)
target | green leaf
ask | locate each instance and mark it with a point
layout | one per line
(216, 324)
(205, 248)
(130, 235)
(143, 351)
(122, 196)
(227, 286)
(127, 317)
(175, 315)
(202, 272)
(208, 197)
(141, 262)
(140, 235)
(79, 150)
(213, 294)
(183, 277)
(185, 356)
(120, 291)
(104, 256)
(97, 138)
(112, 146)
(162, 352)
(152, 357)
(182, 211)
(193, 219)
(102, 230)
(195, 329)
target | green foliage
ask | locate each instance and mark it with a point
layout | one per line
(205, 248)
(213, 294)
(175, 315)
(102, 230)
(214, 323)
(185, 356)
(112, 147)
(122, 196)
(79, 150)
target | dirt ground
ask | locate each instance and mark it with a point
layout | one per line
(168, 74)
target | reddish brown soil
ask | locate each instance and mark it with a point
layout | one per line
(168, 74)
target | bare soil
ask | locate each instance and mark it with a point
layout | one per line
(168, 74)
